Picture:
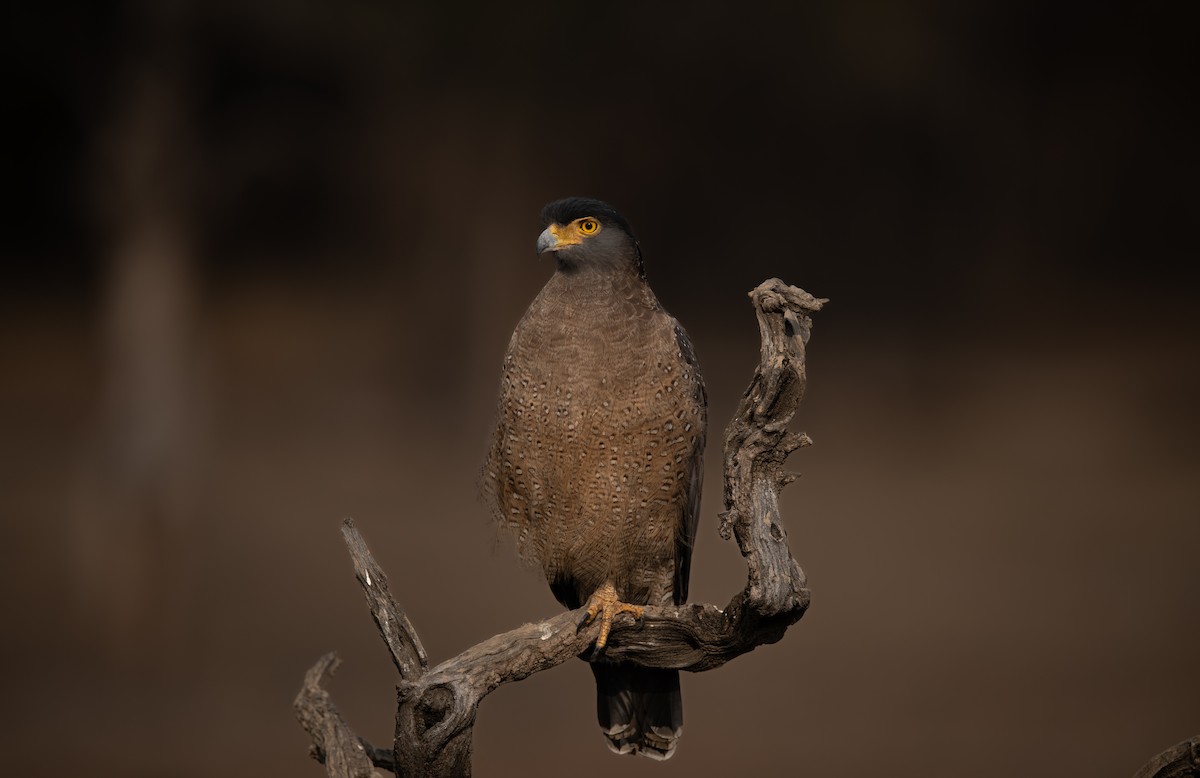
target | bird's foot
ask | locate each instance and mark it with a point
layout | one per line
(606, 605)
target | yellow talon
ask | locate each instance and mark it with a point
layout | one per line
(605, 604)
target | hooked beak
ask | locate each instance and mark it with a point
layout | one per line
(557, 237)
(547, 241)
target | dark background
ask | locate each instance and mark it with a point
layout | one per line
(261, 261)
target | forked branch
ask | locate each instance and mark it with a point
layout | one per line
(436, 707)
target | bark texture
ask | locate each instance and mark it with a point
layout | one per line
(1181, 760)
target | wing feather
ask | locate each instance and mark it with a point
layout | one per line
(685, 537)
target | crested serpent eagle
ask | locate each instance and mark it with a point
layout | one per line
(596, 461)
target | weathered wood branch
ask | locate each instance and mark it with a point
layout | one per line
(334, 745)
(436, 706)
(1181, 760)
(403, 644)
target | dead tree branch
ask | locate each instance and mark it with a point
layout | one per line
(1181, 760)
(334, 745)
(436, 707)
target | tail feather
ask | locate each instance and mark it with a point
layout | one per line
(639, 708)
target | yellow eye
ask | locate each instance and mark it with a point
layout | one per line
(589, 226)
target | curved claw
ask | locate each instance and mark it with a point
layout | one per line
(606, 605)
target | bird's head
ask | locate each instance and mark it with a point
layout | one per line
(588, 234)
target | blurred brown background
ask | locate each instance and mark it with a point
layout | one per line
(262, 260)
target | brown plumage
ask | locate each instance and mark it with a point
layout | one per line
(596, 463)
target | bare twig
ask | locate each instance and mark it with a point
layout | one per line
(342, 753)
(403, 644)
(436, 707)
